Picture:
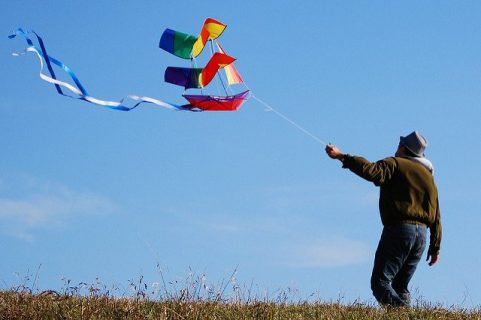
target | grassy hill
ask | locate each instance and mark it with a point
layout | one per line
(52, 305)
(194, 298)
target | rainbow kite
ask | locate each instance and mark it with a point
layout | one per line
(188, 47)
(180, 44)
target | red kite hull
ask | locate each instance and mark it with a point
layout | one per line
(216, 103)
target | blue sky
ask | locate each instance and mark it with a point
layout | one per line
(87, 192)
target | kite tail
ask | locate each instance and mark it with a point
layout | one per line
(78, 91)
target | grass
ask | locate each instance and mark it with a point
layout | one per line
(195, 299)
(18, 305)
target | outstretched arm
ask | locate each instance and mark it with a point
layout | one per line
(377, 172)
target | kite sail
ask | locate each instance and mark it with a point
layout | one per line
(181, 45)
(187, 46)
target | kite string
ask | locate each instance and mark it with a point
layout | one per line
(270, 108)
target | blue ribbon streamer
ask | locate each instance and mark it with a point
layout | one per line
(83, 94)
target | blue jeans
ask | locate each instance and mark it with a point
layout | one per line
(397, 256)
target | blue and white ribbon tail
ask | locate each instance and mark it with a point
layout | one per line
(77, 90)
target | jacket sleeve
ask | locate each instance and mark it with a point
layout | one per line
(436, 232)
(378, 172)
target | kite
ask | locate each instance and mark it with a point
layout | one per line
(188, 47)
(180, 44)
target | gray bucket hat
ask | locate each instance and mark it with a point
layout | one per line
(415, 143)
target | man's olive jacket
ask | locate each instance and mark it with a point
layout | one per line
(408, 193)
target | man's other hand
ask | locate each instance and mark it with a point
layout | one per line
(432, 258)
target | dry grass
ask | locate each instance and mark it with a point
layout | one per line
(21, 305)
(194, 300)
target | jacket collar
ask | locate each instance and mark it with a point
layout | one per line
(424, 162)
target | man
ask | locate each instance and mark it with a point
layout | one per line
(408, 204)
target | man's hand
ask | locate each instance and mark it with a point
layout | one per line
(434, 258)
(334, 152)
